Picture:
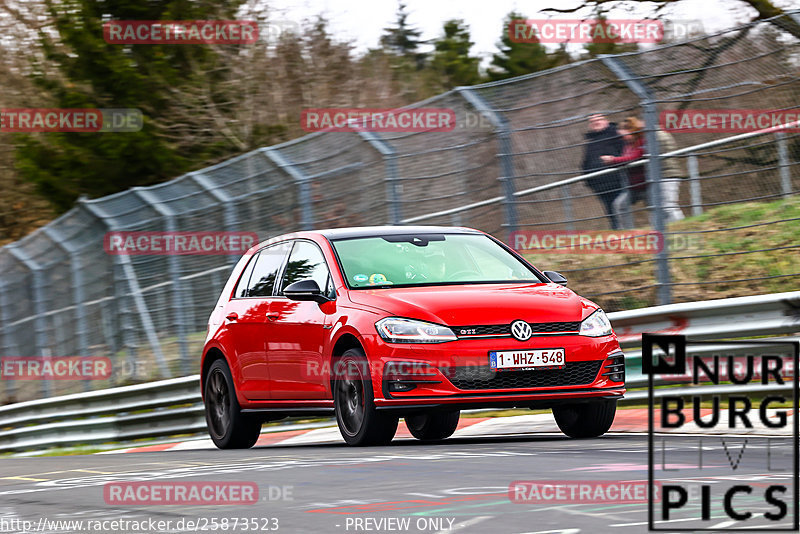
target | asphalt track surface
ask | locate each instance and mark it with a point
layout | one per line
(460, 485)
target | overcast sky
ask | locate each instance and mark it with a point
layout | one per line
(363, 21)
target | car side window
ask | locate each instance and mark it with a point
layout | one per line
(266, 271)
(307, 262)
(244, 280)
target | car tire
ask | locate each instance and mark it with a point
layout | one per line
(586, 420)
(228, 427)
(360, 423)
(433, 426)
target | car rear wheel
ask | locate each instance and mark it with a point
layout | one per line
(433, 426)
(354, 401)
(585, 420)
(228, 426)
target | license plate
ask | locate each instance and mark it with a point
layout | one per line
(528, 359)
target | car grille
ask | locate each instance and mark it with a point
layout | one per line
(574, 374)
(505, 329)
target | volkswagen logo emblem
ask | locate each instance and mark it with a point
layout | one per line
(521, 330)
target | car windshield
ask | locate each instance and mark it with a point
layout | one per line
(428, 259)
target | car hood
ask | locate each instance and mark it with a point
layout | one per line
(478, 304)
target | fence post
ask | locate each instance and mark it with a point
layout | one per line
(694, 186)
(40, 327)
(123, 262)
(177, 293)
(625, 214)
(303, 185)
(393, 186)
(224, 198)
(566, 202)
(620, 70)
(505, 153)
(78, 298)
(783, 164)
(9, 347)
(458, 159)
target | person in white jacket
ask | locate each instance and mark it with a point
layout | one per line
(671, 176)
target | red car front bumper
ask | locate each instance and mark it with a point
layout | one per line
(457, 373)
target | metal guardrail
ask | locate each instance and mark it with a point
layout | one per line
(172, 407)
(757, 315)
(163, 408)
(635, 379)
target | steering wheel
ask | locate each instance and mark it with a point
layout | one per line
(460, 273)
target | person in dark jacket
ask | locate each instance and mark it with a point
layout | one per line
(603, 139)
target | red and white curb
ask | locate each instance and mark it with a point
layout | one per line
(629, 420)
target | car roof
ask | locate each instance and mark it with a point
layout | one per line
(374, 231)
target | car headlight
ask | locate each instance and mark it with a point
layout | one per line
(596, 325)
(399, 330)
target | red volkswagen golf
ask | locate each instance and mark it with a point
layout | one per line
(377, 323)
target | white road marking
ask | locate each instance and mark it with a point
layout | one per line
(603, 515)
(561, 531)
(540, 422)
(465, 524)
(320, 435)
(666, 521)
(198, 444)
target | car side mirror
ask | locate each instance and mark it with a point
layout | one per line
(305, 290)
(556, 278)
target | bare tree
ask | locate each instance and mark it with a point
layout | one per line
(761, 9)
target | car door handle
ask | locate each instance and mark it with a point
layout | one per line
(232, 316)
(272, 316)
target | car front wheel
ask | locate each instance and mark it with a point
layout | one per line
(359, 421)
(433, 426)
(585, 420)
(228, 426)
